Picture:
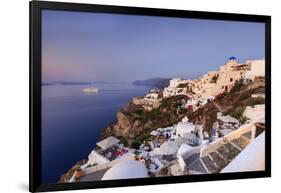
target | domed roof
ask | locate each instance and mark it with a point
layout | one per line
(183, 149)
(232, 58)
(169, 147)
(126, 169)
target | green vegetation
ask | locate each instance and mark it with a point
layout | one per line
(245, 100)
(147, 115)
(140, 113)
(139, 140)
(181, 110)
(214, 79)
(73, 169)
(224, 113)
(255, 101)
(243, 119)
(237, 86)
(164, 171)
(168, 113)
(185, 85)
(237, 113)
(182, 85)
(136, 144)
(123, 140)
(154, 114)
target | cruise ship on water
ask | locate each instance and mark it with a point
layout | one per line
(90, 90)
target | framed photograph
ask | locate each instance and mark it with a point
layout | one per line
(128, 96)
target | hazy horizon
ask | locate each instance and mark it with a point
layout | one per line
(89, 47)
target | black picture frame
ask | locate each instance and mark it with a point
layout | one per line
(35, 184)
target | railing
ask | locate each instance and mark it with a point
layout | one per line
(233, 135)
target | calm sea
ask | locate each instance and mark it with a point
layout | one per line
(72, 122)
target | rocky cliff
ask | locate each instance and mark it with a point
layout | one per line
(233, 103)
(134, 124)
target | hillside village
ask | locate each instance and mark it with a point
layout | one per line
(212, 124)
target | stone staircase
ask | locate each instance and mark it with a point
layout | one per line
(218, 159)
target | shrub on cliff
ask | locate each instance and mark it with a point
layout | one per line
(154, 114)
(237, 113)
(140, 114)
(214, 79)
(237, 86)
(123, 140)
(139, 140)
(255, 101)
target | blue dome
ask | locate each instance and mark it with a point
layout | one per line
(232, 58)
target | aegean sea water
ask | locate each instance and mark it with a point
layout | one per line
(72, 122)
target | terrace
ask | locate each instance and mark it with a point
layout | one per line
(241, 142)
(112, 152)
(218, 160)
(191, 159)
(197, 167)
(218, 155)
(210, 164)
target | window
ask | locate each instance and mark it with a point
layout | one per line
(231, 79)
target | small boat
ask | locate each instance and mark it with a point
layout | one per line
(90, 90)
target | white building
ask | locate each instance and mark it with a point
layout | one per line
(151, 97)
(184, 127)
(150, 101)
(171, 90)
(96, 157)
(256, 68)
(216, 82)
(175, 82)
(108, 142)
(126, 170)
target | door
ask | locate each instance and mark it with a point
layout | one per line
(226, 88)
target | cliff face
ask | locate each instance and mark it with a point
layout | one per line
(232, 103)
(135, 124)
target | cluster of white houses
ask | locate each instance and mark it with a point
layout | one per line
(216, 82)
(208, 86)
(184, 148)
(151, 100)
